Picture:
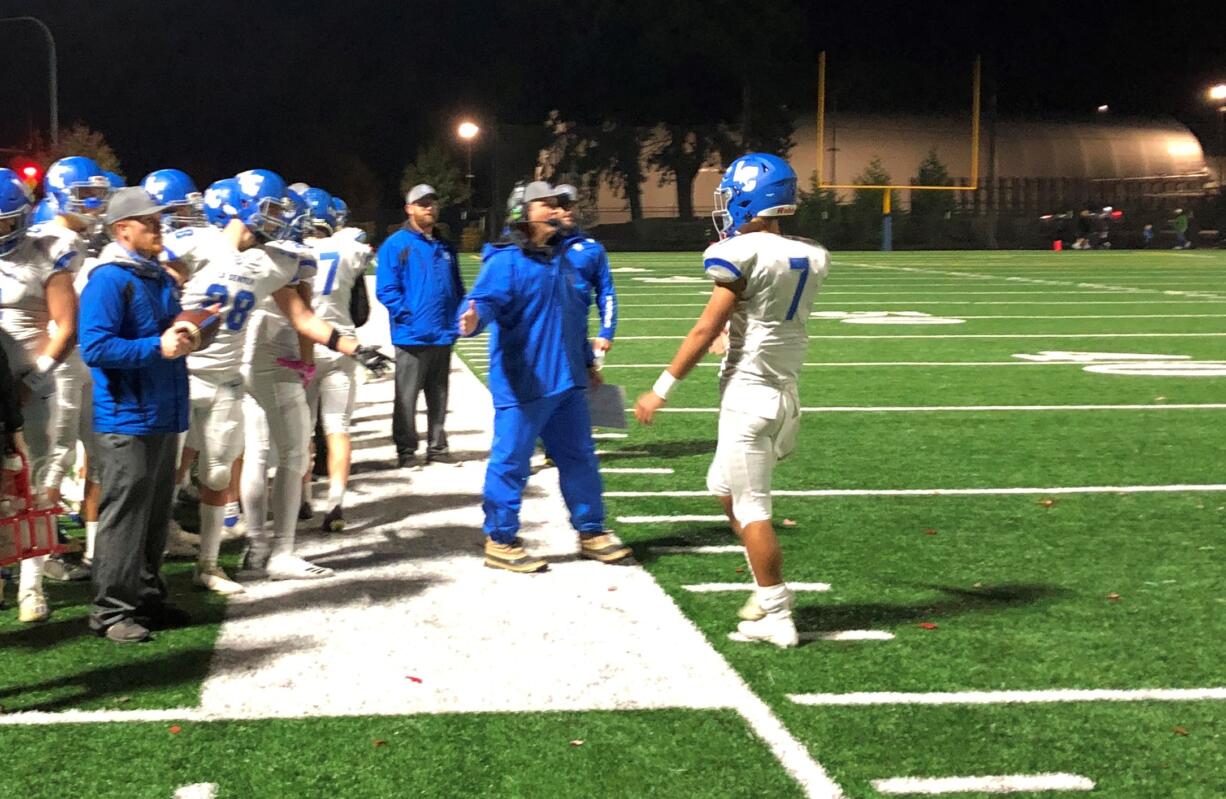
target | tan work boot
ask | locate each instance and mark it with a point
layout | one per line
(605, 547)
(512, 557)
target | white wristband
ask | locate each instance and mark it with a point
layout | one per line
(664, 385)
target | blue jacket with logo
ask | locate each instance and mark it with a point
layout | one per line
(534, 300)
(592, 263)
(418, 280)
(126, 304)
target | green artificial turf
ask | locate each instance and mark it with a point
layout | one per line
(669, 753)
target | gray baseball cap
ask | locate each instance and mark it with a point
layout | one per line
(568, 191)
(129, 202)
(419, 191)
(540, 190)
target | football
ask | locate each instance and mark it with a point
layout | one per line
(201, 325)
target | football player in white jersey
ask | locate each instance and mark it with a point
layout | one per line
(342, 263)
(275, 408)
(38, 324)
(765, 285)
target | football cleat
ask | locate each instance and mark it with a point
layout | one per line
(775, 628)
(214, 579)
(292, 567)
(32, 607)
(334, 520)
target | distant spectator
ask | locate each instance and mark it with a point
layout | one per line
(1147, 236)
(1180, 225)
(1193, 233)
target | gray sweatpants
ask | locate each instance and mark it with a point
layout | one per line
(421, 369)
(137, 485)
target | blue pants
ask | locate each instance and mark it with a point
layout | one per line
(565, 425)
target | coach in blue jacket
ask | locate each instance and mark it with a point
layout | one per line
(540, 363)
(417, 278)
(128, 340)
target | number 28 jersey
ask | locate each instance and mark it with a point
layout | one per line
(767, 339)
(239, 283)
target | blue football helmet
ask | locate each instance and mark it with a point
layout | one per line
(14, 210)
(115, 180)
(78, 185)
(756, 184)
(321, 214)
(299, 216)
(264, 204)
(173, 188)
(221, 202)
(340, 209)
(44, 211)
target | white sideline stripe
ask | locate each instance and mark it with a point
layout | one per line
(199, 790)
(972, 335)
(621, 452)
(1004, 783)
(628, 470)
(905, 292)
(1031, 302)
(711, 550)
(706, 364)
(660, 519)
(984, 317)
(848, 635)
(1173, 406)
(919, 492)
(712, 588)
(39, 717)
(607, 436)
(1012, 697)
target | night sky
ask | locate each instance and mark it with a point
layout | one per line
(313, 89)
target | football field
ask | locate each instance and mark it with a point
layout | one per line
(1004, 520)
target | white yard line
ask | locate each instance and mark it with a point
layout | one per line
(1003, 783)
(699, 550)
(666, 519)
(607, 436)
(199, 790)
(1172, 406)
(715, 588)
(1012, 697)
(644, 470)
(864, 364)
(915, 303)
(920, 320)
(1190, 488)
(889, 337)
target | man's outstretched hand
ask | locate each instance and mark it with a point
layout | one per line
(469, 319)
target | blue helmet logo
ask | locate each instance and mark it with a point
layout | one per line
(173, 188)
(221, 202)
(756, 184)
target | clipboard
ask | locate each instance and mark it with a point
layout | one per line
(607, 405)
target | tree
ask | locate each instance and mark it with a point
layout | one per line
(680, 151)
(78, 139)
(436, 167)
(611, 153)
(866, 207)
(817, 212)
(932, 205)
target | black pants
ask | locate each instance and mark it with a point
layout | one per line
(138, 475)
(421, 369)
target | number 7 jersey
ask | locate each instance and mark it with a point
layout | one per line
(767, 339)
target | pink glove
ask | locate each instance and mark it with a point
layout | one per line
(306, 371)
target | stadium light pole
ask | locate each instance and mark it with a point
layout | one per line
(468, 131)
(1217, 94)
(52, 78)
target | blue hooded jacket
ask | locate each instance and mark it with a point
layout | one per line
(125, 306)
(592, 263)
(535, 301)
(418, 280)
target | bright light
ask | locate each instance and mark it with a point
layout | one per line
(29, 172)
(1218, 92)
(1102, 109)
(468, 130)
(1183, 149)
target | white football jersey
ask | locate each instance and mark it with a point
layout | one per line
(45, 250)
(270, 335)
(241, 284)
(197, 247)
(341, 262)
(767, 340)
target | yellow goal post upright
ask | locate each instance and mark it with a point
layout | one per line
(887, 237)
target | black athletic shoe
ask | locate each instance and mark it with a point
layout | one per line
(164, 616)
(442, 457)
(305, 514)
(408, 462)
(334, 520)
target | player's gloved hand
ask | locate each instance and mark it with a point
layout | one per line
(306, 371)
(370, 357)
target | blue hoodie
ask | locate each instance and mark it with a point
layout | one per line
(125, 306)
(592, 262)
(418, 280)
(535, 301)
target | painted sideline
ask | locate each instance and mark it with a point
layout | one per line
(1013, 697)
(924, 492)
(1171, 406)
(1004, 783)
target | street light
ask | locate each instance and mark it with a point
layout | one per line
(1218, 95)
(468, 131)
(51, 73)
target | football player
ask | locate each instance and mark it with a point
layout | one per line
(765, 284)
(342, 263)
(38, 324)
(275, 408)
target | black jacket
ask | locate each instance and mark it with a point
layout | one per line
(10, 399)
